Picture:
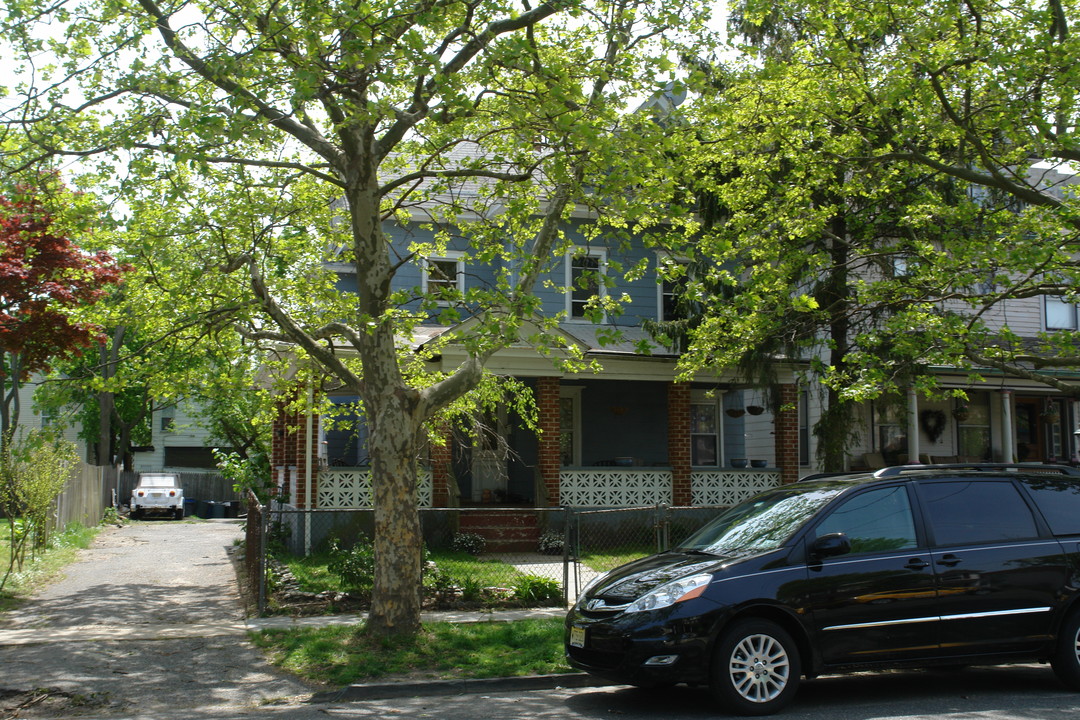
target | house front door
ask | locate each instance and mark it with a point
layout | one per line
(489, 457)
(1031, 429)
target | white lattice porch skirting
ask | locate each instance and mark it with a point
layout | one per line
(637, 487)
(351, 488)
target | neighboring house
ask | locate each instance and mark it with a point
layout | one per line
(1005, 419)
(179, 443)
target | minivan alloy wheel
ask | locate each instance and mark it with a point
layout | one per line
(756, 667)
(759, 668)
(1066, 658)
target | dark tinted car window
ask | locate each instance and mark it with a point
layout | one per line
(1059, 502)
(874, 521)
(963, 513)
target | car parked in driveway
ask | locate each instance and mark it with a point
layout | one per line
(157, 494)
(912, 566)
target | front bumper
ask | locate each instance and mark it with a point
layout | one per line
(640, 649)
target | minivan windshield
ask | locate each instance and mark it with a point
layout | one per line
(761, 523)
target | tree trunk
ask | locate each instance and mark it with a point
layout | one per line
(393, 444)
(836, 420)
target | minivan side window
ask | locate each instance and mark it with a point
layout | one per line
(1059, 502)
(874, 521)
(964, 513)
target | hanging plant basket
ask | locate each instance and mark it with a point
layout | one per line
(961, 412)
(1051, 417)
(735, 412)
(755, 409)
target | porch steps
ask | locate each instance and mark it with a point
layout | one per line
(504, 530)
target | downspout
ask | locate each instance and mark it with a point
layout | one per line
(1006, 427)
(307, 470)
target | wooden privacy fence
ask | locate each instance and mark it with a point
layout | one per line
(86, 496)
(197, 486)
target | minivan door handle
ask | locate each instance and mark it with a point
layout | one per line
(948, 560)
(916, 564)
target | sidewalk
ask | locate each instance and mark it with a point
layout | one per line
(98, 632)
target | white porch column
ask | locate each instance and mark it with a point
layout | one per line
(1006, 427)
(913, 428)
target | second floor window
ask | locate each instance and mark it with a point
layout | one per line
(584, 271)
(1060, 315)
(444, 277)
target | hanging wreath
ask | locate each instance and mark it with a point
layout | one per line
(933, 423)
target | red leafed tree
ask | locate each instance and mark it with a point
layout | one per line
(43, 276)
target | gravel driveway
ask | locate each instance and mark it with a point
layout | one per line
(148, 620)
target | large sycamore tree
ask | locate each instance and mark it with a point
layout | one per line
(252, 141)
(879, 176)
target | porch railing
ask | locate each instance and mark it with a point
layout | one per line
(729, 487)
(638, 487)
(615, 487)
(351, 488)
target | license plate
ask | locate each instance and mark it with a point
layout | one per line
(577, 637)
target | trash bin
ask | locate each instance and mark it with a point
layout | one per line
(189, 507)
(202, 508)
(217, 509)
(232, 509)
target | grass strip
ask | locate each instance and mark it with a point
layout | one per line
(45, 565)
(342, 655)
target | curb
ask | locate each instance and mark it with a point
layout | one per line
(385, 691)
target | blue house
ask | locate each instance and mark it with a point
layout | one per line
(627, 434)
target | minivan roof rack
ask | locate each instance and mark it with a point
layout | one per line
(982, 467)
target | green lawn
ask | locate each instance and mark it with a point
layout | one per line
(61, 551)
(604, 560)
(341, 655)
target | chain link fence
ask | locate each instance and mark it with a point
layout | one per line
(474, 557)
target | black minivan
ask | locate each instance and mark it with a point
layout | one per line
(909, 567)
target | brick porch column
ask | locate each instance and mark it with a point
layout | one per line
(678, 406)
(300, 448)
(289, 446)
(283, 447)
(787, 434)
(549, 461)
(440, 456)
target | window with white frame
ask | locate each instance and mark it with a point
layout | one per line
(444, 276)
(671, 284)
(705, 440)
(570, 426)
(168, 419)
(1060, 315)
(584, 271)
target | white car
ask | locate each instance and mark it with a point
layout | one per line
(158, 494)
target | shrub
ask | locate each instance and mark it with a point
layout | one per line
(468, 542)
(551, 543)
(355, 566)
(536, 589)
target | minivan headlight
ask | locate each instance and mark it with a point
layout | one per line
(670, 593)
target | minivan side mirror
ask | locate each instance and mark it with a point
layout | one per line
(830, 545)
